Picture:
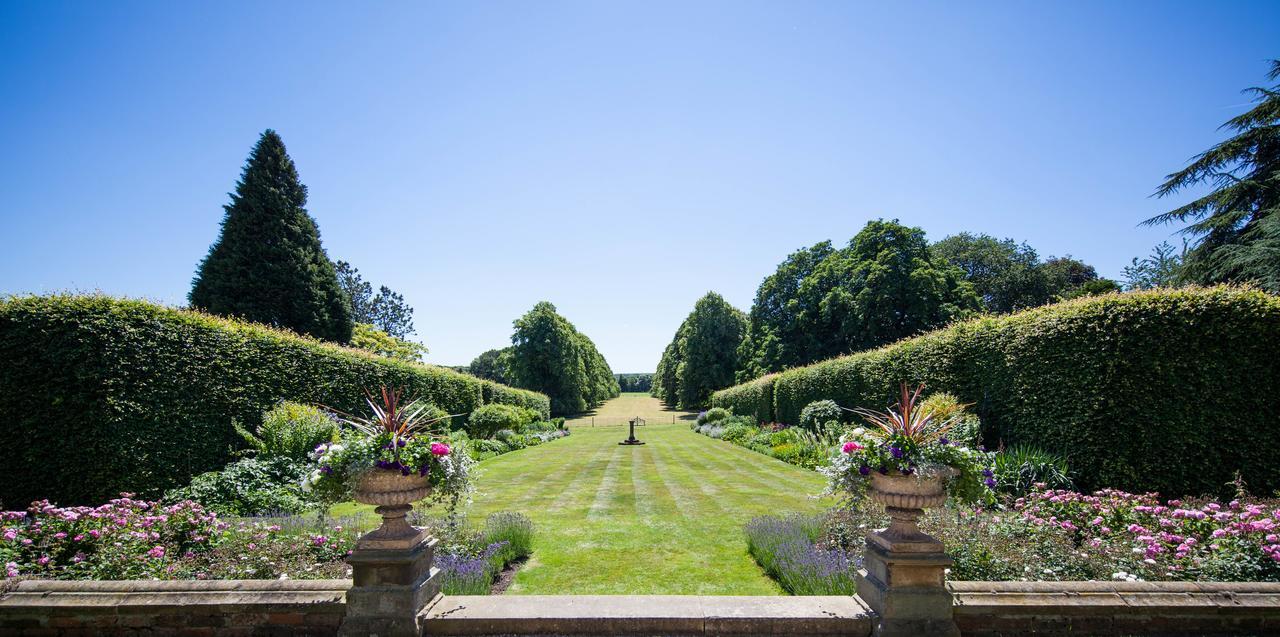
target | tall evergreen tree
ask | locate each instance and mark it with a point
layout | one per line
(267, 265)
(1236, 226)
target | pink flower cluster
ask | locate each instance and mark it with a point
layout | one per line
(125, 537)
(129, 538)
(1169, 538)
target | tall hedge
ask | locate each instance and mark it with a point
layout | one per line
(1169, 390)
(752, 398)
(101, 395)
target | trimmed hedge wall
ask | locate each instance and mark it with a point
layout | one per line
(1171, 390)
(752, 398)
(101, 395)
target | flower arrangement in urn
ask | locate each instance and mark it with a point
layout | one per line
(391, 458)
(905, 456)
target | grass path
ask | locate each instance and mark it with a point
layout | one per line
(663, 518)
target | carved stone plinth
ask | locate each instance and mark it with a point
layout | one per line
(904, 569)
(391, 590)
(393, 580)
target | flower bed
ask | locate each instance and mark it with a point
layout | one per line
(1059, 535)
(128, 538)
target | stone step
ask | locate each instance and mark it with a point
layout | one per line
(647, 615)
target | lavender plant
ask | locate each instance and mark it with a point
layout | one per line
(787, 549)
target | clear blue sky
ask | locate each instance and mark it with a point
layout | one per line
(619, 160)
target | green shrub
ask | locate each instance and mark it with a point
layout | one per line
(251, 486)
(291, 430)
(966, 428)
(716, 414)
(739, 433)
(104, 395)
(754, 398)
(818, 413)
(511, 438)
(493, 392)
(1020, 467)
(496, 447)
(487, 420)
(515, 529)
(1166, 390)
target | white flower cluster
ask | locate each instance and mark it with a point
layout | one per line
(324, 454)
(1122, 576)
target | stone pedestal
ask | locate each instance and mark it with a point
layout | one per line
(904, 580)
(393, 580)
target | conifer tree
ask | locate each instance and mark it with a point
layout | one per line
(268, 266)
(1236, 226)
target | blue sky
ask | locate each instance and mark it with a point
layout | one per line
(617, 159)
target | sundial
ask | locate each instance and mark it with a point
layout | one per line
(631, 440)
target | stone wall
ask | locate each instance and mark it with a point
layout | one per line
(300, 607)
(985, 609)
(188, 608)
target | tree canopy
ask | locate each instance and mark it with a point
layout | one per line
(549, 355)
(1007, 276)
(1158, 270)
(703, 355)
(1235, 228)
(492, 365)
(371, 339)
(386, 310)
(884, 285)
(267, 265)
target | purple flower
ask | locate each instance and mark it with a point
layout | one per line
(990, 482)
(988, 473)
(895, 451)
(944, 441)
(864, 470)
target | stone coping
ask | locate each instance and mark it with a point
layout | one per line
(1187, 596)
(648, 615)
(315, 607)
(166, 596)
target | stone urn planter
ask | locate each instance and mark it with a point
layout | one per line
(394, 494)
(904, 576)
(904, 498)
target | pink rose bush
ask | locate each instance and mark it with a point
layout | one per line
(1172, 540)
(129, 538)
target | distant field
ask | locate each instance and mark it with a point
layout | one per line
(663, 518)
(618, 411)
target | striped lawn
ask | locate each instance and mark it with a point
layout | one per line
(663, 518)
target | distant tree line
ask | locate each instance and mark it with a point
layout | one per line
(635, 382)
(886, 284)
(549, 355)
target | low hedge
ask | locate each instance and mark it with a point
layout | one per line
(102, 395)
(1170, 390)
(752, 398)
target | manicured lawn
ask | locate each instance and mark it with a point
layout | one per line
(663, 518)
